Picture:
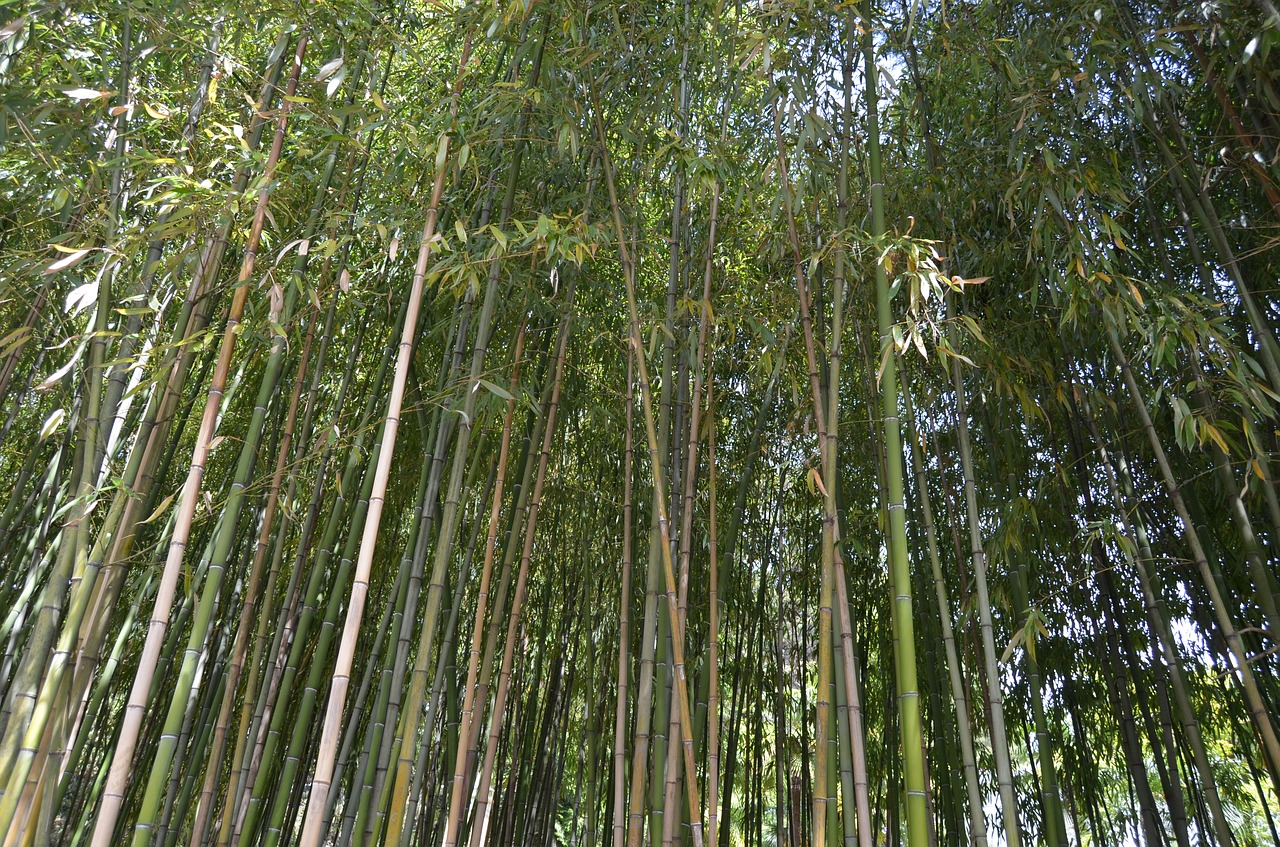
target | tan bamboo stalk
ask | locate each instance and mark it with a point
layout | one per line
(405, 798)
(122, 758)
(861, 797)
(314, 825)
(253, 725)
(995, 704)
(666, 805)
(670, 811)
(521, 589)
(511, 549)
(402, 800)
(448, 522)
(858, 803)
(653, 628)
(713, 631)
(656, 465)
(959, 690)
(389, 796)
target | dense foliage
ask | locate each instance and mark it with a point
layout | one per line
(703, 423)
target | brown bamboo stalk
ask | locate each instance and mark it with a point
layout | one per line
(826, 446)
(713, 634)
(244, 626)
(517, 603)
(1253, 698)
(671, 814)
(467, 716)
(122, 759)
(1163, 644)
(655, 461)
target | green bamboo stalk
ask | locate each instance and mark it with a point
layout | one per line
(313, 826)
(1164, 642)
(256, 778)
(468, 715)
(955, 673)
(624, 627)
(978, 556)
(113, 796)
(255, 704)
(1248, 683)
(904, 630)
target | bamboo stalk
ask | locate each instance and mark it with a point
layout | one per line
(624, 623)
(656, 464)
(122, 760)
(1249, 685)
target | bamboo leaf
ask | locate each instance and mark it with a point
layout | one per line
(54, 378)
(442, 152)
(69, 261)
(12, 28)
(160, 509)
(87, 94)
(81, 297)
(52, 423)
(496, 390)
(15, 340)
(329, 68)
(335, 82)
(817, 481)
(276, 302)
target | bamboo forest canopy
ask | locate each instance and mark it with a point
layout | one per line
(557, 422)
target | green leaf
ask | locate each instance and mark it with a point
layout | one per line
(497, 390)
(15, 340)
(442, 151)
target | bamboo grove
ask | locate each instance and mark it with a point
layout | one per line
(705, 423)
